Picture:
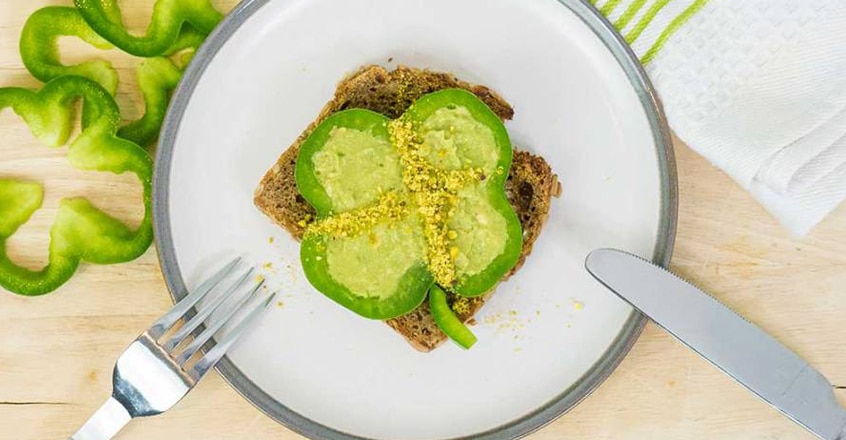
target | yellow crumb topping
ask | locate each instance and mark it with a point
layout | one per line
(390, 207)
(434, 192)
(578, 305)
(431, 191)
(461, 305)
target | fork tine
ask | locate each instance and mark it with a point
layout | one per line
(215, 354)
(166, 322)
(203, 337)
(204, 313)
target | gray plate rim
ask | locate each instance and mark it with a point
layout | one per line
(522, 426)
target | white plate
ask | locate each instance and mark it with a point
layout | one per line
(581, 101)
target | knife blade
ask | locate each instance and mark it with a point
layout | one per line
(728, 341)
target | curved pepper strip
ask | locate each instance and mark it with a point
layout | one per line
(446, 319)
(39, 47)
(157, 77)
(188, 36)
(189, 39)
(169, 17)
(80, 232)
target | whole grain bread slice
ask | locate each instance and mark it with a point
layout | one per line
(530, 186)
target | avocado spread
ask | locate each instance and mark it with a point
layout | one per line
(346, 161)
(402, 204)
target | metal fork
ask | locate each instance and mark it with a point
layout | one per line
(155, 372)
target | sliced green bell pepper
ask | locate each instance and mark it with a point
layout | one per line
(483, 147)
(157, 77)
(403, 203)
(40, 53)
(170, 18)
(446, 319)
(370, 255)
(80, 232)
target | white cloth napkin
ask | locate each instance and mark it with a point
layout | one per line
(758, 87)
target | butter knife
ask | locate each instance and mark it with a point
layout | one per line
(727, 340)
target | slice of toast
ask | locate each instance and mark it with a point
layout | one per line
(530, 186)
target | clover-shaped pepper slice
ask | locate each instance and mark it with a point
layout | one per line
(402, 204)
(80, 232)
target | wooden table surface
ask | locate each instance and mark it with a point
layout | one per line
(57, 351)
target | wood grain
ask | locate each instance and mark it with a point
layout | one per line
(57, 351)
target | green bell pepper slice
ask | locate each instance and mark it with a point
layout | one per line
(80, 231)
(169, 19)
(447, 321)
(478, 202)
(39, 50)
(404, 203)
(407, 280)
(157, 77)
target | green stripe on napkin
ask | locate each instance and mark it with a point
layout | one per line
(671, 28)
(650, 10)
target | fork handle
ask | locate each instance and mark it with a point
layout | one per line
(105, 423)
